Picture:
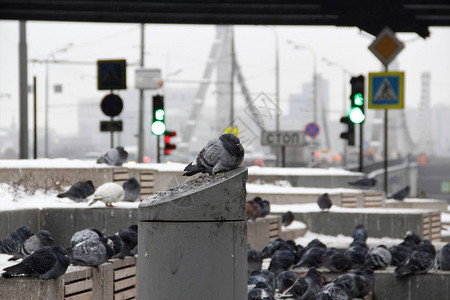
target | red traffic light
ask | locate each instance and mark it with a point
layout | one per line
(167, 145)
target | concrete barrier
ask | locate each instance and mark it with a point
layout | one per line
(64, 222)
(192, 240)
(431, 204)
(379, 223)
(262, 231)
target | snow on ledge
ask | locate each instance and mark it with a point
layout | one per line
(313, 207)
(255, 170)
(276, 189)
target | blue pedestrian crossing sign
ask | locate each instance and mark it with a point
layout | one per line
(386, 90)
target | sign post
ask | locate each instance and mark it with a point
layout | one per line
(386, 47)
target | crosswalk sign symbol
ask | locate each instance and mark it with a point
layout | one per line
(112, 74)
(386, 90)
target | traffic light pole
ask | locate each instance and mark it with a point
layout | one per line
(386, 145)
(158, 150)
(361, 154)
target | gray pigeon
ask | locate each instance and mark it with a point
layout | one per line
(45, 263)
(128, 242)
(39, 240)
(114, 157)
(221, 154)
(13, 242)
(324, 202)
(335, 262)
(134, 239)
(79, 191)
(444, 257)
(401, 195)
(132, 189)
(285, 280)
(92, 252)
(308, 286)
(333, 291)
(117, 245)
(360, 233)
(379, 257)
(364, 183)
(287, 218)
(254, 260)
(421, 260)
(85, 234)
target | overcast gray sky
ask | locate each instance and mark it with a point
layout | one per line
(183, 49)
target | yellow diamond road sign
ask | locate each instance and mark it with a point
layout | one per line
(386, 46)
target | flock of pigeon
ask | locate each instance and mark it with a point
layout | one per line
(42, 258)
(108, 192)
(356, 264)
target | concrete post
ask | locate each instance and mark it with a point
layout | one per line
(192, 240)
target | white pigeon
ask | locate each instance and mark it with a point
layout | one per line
(108, 193)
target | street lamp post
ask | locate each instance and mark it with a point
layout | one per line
(277, 88)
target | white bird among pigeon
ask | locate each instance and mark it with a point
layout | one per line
(108, 193)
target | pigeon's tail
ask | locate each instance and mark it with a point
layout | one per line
(403, 271)
(192, 170)
(352, 183)
(63, 195)
(13, 270)
(101, 160)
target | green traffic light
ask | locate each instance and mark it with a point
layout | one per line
(356, 115)
(159, 114)
(158, 128)
(358, 99)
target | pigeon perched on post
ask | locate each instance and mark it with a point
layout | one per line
(132, 189)
(379, 257)
(114, 157)
(92, 252)
(108, 193)
(324, 202)
(420, 261)
(45, 263)
(79, 191)
(13, 242)
(264, 206)
(364, 183)
(220, 154)
(85, 234)
(403, 250)
(39, 240)
(401, 195)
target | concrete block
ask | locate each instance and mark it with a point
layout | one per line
(25, 288)
(199, 265)
(198, 200)
(319, 181)
(192, 240)
(433, 285)
(431, 204)
(12, 219)
(262, 231)
(64, 222)
(378, 223)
